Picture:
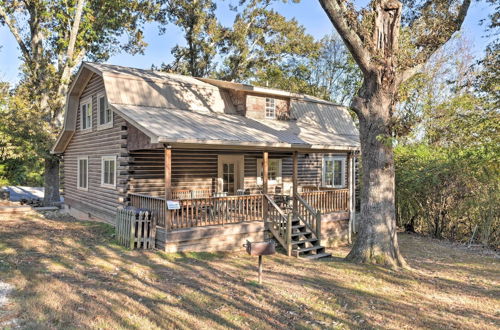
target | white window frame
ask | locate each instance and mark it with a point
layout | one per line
(106, 106)
(86, 101)
(343, 159)
(278, 180)
(78, 183)
(273, 109)
(103, 159)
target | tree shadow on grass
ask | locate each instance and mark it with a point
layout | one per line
(72, 274)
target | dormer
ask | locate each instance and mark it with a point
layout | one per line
(256, 102)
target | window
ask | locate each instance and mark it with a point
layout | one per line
(228, 178)
(270, 108)
(83, 173)
(86, 114)
(334, 171)
(273, 173)
(108, 171)
(104, 112)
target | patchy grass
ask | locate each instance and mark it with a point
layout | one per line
(70, 274)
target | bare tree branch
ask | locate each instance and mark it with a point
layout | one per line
(15, 32)
(337, 12)
(459, 20)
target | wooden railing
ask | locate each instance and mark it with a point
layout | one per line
(310, 216)
(327, 201)
(191, 193)
(155, 204)
(279, 223)
(216, 211)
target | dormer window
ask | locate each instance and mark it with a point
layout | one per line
(270, 108)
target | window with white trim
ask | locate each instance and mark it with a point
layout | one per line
(108, 171)
(83, 173)
(86, 114)
(273, 172)
(270, 108)
(334, 171)
(104, 113)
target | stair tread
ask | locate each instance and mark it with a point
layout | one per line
(298, 226)
(305, 241)
(301, 233)
(317, 256)
(312, 248)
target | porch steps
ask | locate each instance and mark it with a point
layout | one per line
(304, 243)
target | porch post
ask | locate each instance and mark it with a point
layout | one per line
(295, 181)
(168, 184)
(265, 171)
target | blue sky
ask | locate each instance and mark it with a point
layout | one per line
(308, 12)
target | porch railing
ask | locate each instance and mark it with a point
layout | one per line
(327, 201)
(191, 193)
(199, 212)
(155, 204)
(279, 223)
(311, 217)
(209, 211)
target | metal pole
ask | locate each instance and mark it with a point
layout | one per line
(260, 269)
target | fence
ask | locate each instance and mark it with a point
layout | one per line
(135, 229)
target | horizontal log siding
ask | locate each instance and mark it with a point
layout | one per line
(95, 144)
(198, 170)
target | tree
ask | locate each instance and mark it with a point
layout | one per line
(389, 48)
(261, 38)
(54, 37)
(202, 32)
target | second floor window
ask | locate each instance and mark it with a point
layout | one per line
(86, 114)
(105, 113)
(270, 108)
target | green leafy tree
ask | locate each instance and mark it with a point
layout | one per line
(202, 32)
(54, 37)
(390, 41)
(261, 38)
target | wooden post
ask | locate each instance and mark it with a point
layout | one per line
(265, 174)
(318, 226)
(168, 184)
(295, 182)
(265, 171)
(289, 234)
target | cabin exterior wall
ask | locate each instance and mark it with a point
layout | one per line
(98, 201)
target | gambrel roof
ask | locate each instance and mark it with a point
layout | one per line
(176, 109)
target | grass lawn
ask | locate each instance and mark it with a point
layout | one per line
(70, 274)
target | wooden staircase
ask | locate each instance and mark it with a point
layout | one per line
(299, 233)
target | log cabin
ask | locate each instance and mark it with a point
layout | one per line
(244, 162)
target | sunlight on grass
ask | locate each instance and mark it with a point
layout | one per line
(70, 274)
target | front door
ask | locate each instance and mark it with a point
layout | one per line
(230, 174)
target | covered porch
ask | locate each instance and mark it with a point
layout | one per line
(220, 187)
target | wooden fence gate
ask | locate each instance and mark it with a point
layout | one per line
(135, 228)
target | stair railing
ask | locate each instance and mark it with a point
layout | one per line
(279, 223)
(310, 216)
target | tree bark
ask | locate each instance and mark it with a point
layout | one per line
(51, 181)
(376, 241)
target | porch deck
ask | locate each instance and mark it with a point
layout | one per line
(209, 211)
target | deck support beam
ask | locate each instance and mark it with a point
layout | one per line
(168, 183)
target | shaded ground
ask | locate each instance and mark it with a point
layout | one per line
(69, 273)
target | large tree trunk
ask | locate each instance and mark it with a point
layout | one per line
(51, 184)
(376, 241)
